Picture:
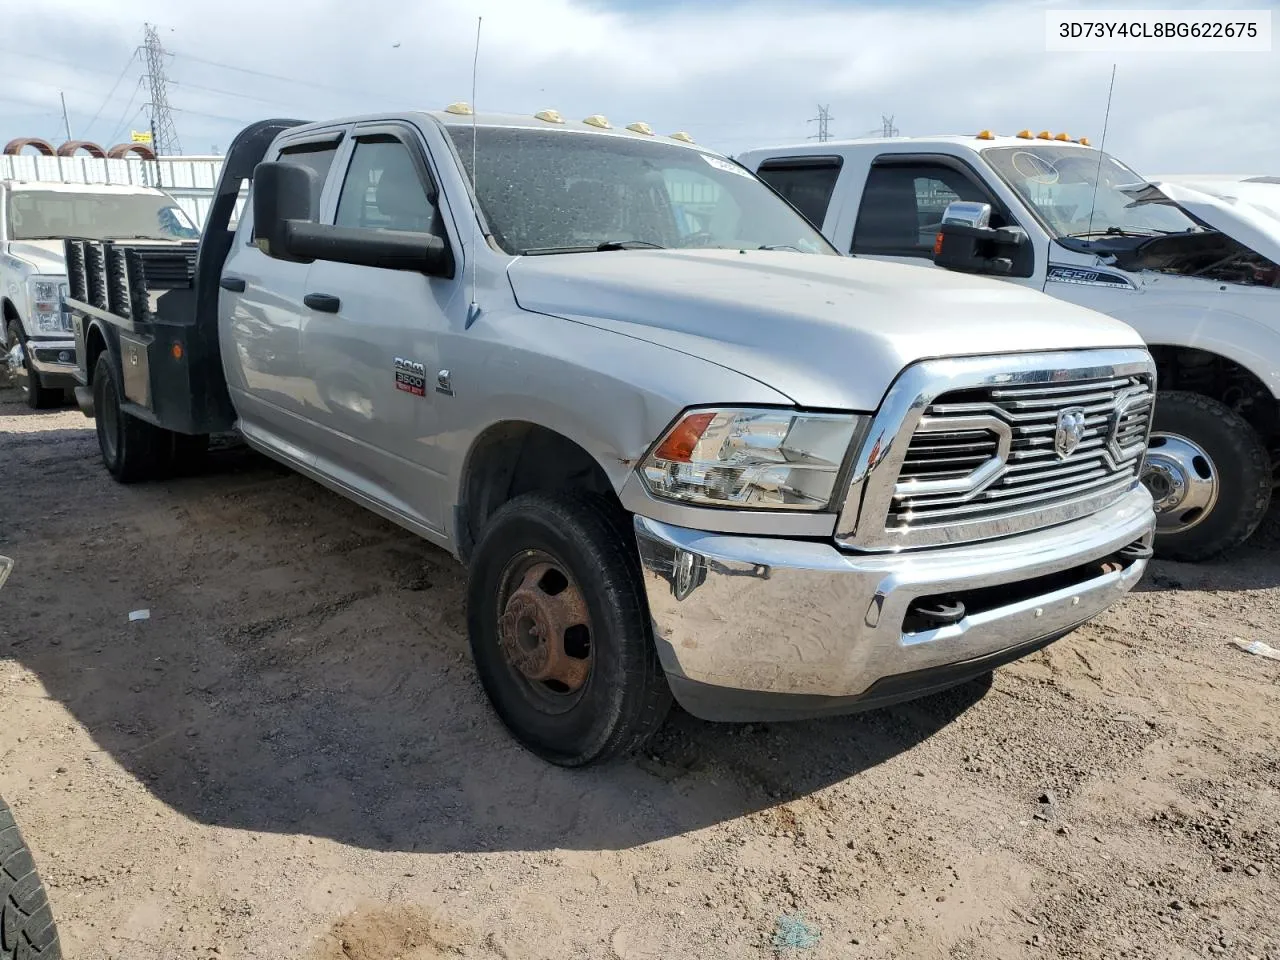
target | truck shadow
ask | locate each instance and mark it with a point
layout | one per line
(304, 669)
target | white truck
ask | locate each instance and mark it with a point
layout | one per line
(35, 217)
(1194, 267)
(685, 447)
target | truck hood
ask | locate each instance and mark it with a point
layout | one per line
(825, 331)
(1247, 212)
(44, 256)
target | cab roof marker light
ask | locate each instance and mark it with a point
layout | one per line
(1025, 135)
(640, 127)
(1044, 135)
(985, 135)
(550, 116)
(1083, 141)
(598, 120)
(681, 136)
(461, 108)
(1063, 137)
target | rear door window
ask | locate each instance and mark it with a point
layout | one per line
(805, 182)
(318, 157)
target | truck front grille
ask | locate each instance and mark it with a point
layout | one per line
(994, 451)
(965, 449)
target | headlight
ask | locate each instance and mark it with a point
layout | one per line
(47, 294)
(754, 459)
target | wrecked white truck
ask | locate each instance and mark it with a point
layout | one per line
(1194, 268)
(685, 447)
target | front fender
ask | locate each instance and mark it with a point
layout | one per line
(1246, 332)
(610, 394)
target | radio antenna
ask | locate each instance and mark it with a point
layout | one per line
(1093, 204)
(473, 310)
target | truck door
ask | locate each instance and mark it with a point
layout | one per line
(260, 315)
(902, 204)
(371, 337)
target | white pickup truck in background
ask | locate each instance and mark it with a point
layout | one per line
(35, 218)
(1194, 266)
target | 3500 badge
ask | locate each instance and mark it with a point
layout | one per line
(411, 377)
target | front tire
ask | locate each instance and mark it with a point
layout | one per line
(27, 930)
(132, 449)
(1209, 474)
(38, 397)
(560, 630)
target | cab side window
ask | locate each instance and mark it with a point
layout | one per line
(902, 207)
(318, 157)
(805, 182)
(384, 191)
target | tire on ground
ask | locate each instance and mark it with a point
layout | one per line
(38, 397)
(27, 930)
(625, 696)
(1243, 468)
(132, 449)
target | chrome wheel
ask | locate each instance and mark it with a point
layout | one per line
(1182, 479)
(16, 361)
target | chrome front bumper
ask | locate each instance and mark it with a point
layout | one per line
(752, 628)
(46, 357)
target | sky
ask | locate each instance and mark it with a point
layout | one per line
(733, 74)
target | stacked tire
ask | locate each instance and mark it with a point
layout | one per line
(27, 931)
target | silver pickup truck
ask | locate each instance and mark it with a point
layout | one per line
(684, 445)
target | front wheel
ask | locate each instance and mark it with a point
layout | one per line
(38, 396)
(27, 930)
(1209, 474)
(560, 630)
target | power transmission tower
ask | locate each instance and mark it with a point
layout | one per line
(887, 127)
(164, 136)
(823, 119)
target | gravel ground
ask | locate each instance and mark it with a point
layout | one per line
(292, 758)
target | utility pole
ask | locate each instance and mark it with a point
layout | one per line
(823, 119)
(164, 136)
(66, 124)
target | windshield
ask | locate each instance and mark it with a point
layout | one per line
(560, 191)
(1058, 183)
(50, 214)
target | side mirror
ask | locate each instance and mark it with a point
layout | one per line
(282, 195)
(388, 249)
(967, 242)
(967, 213)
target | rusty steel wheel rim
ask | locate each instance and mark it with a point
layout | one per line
(544, 629)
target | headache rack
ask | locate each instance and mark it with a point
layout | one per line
(152, 308)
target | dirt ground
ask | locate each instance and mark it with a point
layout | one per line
(292, 758)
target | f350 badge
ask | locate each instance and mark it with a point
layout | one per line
(411, 377)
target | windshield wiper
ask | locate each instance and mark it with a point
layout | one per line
(1118, 232)
(594, 247)
(779, 246)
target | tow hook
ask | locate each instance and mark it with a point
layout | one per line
(933, 614)
(1136, 551)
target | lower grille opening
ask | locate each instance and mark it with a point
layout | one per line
(941, 610)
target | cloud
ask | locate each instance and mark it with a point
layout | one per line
(734, 75)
